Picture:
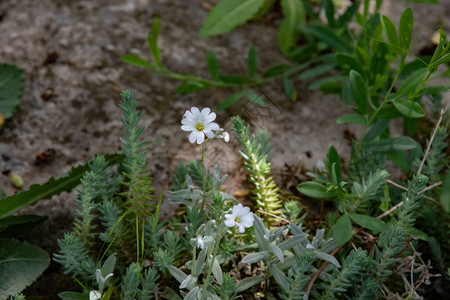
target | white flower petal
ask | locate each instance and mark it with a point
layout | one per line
(200, 137)
(188, 115)
(193, 137)
(209, 133)
(188, 121)
(195, 111)
(241, 229)
(205, 112)
(245, 210)
(230, 222)
(187, 128)
(212, 126)
(229, 216)
(211, 117)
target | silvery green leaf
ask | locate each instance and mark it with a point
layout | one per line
(276, 233)
(280, 278)
(292, 241)
(210, 228)
(247, 283)
(209, 241)
(288, 262)
(189, 282)
(199, 263)
(186, 197)
(328, 246)
(217, 271)
(255, 257)
(296, 230)
(108, 266)
(179, 275)
(194, 294)
(277, 251)
(318, 239)
(261, 231)
(327, 257)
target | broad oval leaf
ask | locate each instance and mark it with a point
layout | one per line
(11, 88)
(369, 222)
(390, 31)
(280, 277)
(20, 264)
(228, 14)
(327, 257)
(315, 190)
(405, 28)
(179, 275)
(342, 230)
(409, 108)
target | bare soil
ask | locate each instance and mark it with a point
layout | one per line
(70, 52)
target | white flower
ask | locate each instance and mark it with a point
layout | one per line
(95, 295)
(226, 137)
(222, 134)
(241, 217)
(200, 123)
(200, 243)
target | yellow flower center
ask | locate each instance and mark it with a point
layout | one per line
(237, 220)
(199, 126)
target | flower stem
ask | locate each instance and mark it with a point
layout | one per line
(203, 176)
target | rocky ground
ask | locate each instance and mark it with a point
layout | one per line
(70, 52)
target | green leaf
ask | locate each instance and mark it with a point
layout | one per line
(228, 14)
(108, 265)
(11, 88)
(317, 71)
(288, 33)
(342, 230)
(20, 264)
(247, 283)
(276, 70)
(72, 296)
(401, 143)
(359, 91)
(197, 270)
(252, 61)
(418, 234)
(405, 28)
(334, 159)
(327, 257)
(289, 89)
(409, 108)
(411, 83)
(136, 60)
(217, 271)
(391, 32)
(255, 98)
(152, 41)
(329, 12)
(329, 37)
(445, 193)
(53, 186)
(348, 63)
(315, 190)
(179, 275)
(14, 225)
(191, 87)
(229, 101)
(280, 277)
(378, 128)
(401, 160)
(352, 119)
(444, 59)
(213, 66)
(369, 222)
(236, 79)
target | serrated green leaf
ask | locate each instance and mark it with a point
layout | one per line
(213, 65)
(352, 119)
(315, 190)
(227, 15)
(12, 225)
(405, 28)
(252, 61)
(342, 230)
(445, 193)
(369, 222)
(20, 264)
(288, 33)
(247, 283)
(409, 108)
(11, 88)
(53, 186)
(136, 60)
(402, 143)
(359, 91)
